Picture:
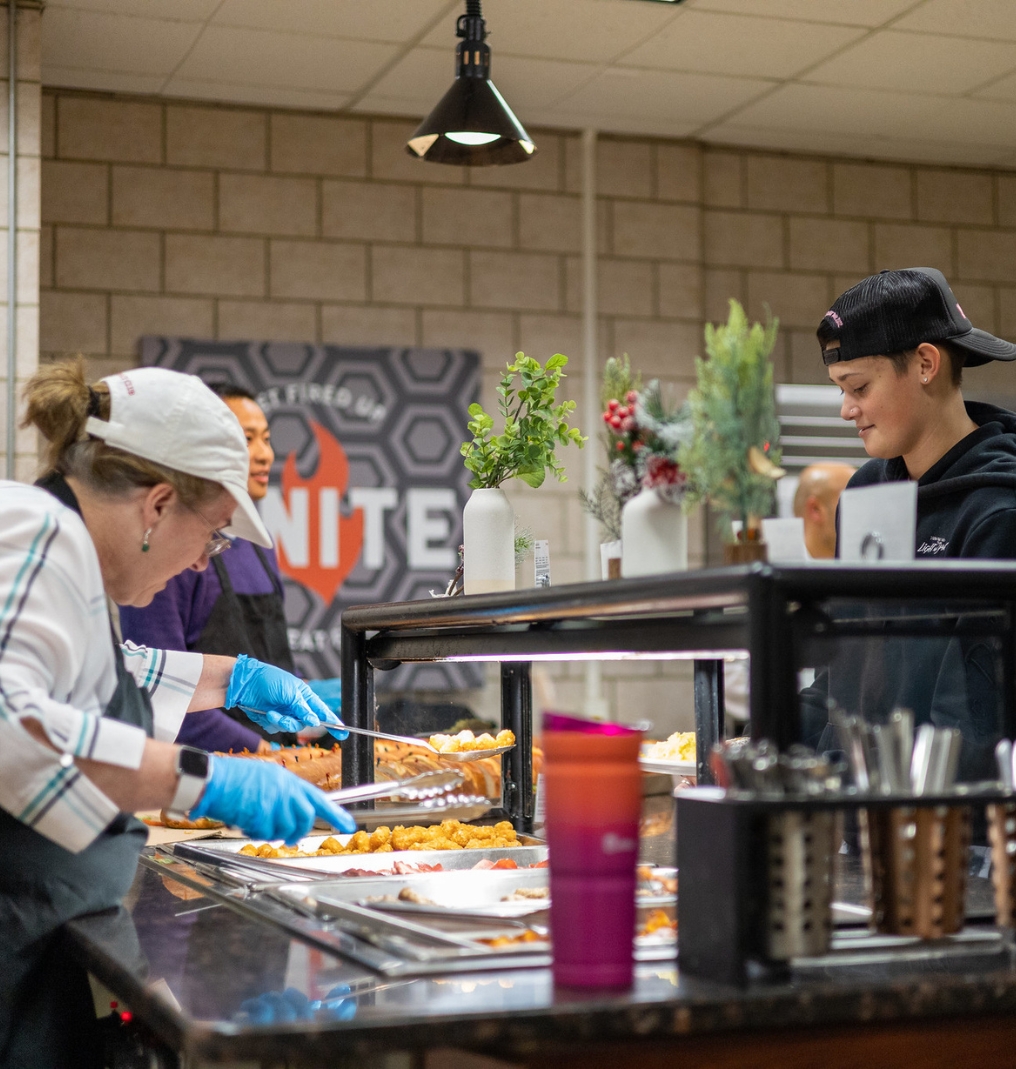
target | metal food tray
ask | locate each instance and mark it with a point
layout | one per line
(464, 894)
(530, 853)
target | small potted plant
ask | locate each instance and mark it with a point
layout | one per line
(533, 427)
(733, 454)
(619, 480)
(639, 497)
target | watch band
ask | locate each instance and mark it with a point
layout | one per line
(192, 767)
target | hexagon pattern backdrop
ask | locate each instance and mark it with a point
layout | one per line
(367, 489)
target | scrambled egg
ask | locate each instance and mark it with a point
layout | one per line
(466, 740)
(679, 747)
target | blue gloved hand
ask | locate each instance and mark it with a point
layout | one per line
(275, 1007)
(265, 801)
(277, 700)
(329, 691)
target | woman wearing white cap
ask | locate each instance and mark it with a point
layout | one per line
(147, 477)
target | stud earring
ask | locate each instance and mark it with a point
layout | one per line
(925, 380)
(144, 542)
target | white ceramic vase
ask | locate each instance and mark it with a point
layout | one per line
(488, 543)
(654, 536)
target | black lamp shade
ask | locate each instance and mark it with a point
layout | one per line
(471, 106)
(472, 124)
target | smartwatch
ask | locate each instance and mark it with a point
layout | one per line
(193, 768)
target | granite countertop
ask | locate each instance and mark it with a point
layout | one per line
(191, 967)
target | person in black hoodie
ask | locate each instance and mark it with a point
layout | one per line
(896, 345)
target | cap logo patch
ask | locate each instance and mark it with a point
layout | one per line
(960, 310)
(834, 317)
(128, 384)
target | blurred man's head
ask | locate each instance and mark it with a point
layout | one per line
(255, 429)
(815, 502)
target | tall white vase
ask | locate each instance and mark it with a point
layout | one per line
(488, 541)
(654, 536)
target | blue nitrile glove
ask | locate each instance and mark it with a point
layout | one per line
(329, 691)
(276, 1007)
(265, 801)
(277, 700)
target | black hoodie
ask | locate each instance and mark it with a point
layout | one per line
(966, 502)
(966, 507)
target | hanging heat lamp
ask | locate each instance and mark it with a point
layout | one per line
(472, 125)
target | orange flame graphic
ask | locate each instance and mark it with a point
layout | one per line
(332, 474)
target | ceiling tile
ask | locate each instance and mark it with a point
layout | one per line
(530, 83)
(425, 74)
(659, 96)
(917, 63)
(858, 112)
(272, 96)
(991, 19)
(636, 123)
(177, 10)
(583, 30)
(376, 20)
(968, 121)
(739, 45)
(854, 145)
(107, 81)
(98, 41)
(844, 12)
(293, 61)
(1002, 89)
(376, 104)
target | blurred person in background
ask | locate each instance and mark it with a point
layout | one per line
(815, 501)
(235, 606)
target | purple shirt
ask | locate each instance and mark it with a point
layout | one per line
(175, 620)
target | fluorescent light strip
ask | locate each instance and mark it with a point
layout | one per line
(612, 655)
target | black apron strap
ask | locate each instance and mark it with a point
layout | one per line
(224, 581)
(275, 580)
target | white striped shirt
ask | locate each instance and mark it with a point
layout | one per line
(57, 667)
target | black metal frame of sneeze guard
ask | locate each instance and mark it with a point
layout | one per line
(722, 858)
(771, 611)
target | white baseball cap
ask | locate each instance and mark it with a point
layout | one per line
(175, 420)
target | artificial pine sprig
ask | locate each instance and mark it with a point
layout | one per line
(533, 427)
(733, 455)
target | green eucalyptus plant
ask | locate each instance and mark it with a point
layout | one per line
(733, 454)
(533, 427)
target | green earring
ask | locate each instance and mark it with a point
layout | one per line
(144, 544)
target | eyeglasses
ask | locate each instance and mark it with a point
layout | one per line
(218, 543)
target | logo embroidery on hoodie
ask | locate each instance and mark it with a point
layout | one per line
(933, 546)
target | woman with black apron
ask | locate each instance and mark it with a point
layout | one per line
(146, 470)
(235, 606)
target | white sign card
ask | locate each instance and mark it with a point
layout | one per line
(878, 523)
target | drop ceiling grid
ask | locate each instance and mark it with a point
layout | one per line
(907, 79)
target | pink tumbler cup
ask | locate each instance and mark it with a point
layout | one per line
(593, 796)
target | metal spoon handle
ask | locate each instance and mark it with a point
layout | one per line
(391, 738)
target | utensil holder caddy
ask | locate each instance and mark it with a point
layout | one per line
(757, 873)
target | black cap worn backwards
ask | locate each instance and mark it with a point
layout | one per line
(895, 311)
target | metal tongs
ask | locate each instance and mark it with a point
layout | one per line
(425, 785)
(454, 755)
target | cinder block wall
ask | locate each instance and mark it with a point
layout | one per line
(229, 222)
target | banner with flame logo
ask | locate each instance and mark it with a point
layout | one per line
(367, 490)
